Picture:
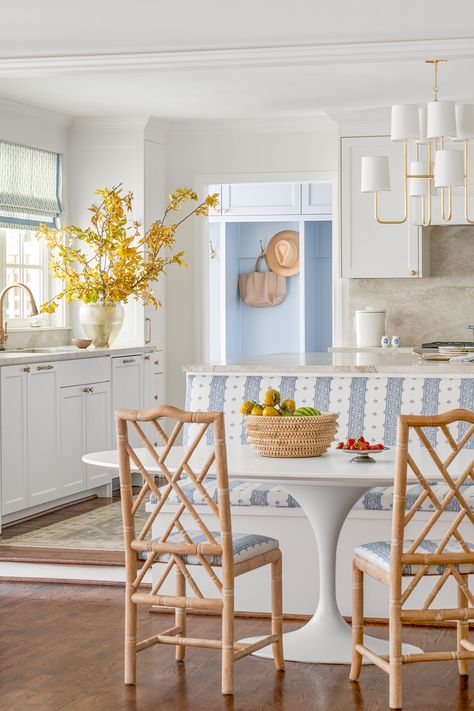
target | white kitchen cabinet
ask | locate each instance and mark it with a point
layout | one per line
(85, 426)
(72, 438)
(261, 199)
(316, 199)
(370, 249)
(44, 482)
(127, 388)
(14, 439)
(98, 430)
(29, 421)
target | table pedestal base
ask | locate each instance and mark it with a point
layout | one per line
(326, 638)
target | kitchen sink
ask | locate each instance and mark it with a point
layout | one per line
(51, 349)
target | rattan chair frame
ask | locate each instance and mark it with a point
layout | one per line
(188, 594)
(398, 615)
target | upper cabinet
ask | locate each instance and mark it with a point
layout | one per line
(316, 199)
(370, 249)
(261, 199)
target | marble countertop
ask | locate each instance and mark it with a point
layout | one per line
(55, 353)
(383, 361)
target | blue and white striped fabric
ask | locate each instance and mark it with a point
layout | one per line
(247, 493)
(378, 553)
(366, 405)
(245, 546)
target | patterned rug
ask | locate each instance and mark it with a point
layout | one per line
(100, 529)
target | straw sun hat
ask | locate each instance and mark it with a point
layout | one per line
(283, 253)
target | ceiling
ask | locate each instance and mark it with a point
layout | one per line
(248, 59)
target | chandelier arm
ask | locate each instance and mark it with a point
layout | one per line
(426, 222)
(405, 194)
(466, 182)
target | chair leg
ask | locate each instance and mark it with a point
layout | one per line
(395, 637)
(180, 614)
(462, 628)
(130, 675)
(228, 642)
(357, 620)
(277, 612)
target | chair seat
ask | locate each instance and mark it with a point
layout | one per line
(378, 554)
(245, 545)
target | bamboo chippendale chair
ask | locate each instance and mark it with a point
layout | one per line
(449, 556)
(184, 549)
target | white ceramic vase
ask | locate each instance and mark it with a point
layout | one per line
(102, 322)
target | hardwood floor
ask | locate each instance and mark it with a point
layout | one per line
(62, 649)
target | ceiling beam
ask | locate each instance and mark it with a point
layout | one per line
(274, 55)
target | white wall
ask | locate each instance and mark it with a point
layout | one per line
(217, 150)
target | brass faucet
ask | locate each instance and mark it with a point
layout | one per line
(31, 304)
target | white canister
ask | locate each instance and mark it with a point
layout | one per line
(370, 327)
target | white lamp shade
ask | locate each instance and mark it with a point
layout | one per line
(405, 122)
(449, 168)
(418, 186)
(422, 119)
(441, 119)
(465, 121)
(375, 174)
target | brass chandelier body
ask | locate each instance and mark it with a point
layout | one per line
(372, 182)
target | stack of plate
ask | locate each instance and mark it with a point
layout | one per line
(452, 351)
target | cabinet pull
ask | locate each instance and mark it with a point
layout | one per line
(156, 362)
(128, 360)
(26, 369)
(88, 389)
(147, 329)
(147, 357)
(91, 389)
(44, 367)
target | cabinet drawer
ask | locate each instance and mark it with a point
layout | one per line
(78, 372)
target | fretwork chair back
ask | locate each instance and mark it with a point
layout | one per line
(182, 548)
(440, 549)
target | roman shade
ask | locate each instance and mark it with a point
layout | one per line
(30, 186)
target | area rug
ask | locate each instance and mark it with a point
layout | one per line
(100, 529)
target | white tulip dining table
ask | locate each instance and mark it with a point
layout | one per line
(327, 488)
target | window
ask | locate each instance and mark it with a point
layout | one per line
(23, 259)
(30, 190)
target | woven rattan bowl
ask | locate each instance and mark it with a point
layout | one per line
(291, 436)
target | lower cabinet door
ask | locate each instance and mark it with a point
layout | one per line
(98, 430)
(42, 428)
(14, 438)
(72, 438)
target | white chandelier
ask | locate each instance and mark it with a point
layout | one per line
(437, 163)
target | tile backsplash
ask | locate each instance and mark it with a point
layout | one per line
(439, 307)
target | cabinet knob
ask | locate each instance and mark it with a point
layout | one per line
(26, 369)
(156, 362)
(147, 357)
(413, 272)
(155, 397)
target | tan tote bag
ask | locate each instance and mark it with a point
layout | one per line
(262, 289)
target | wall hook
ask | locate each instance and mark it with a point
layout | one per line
(213, 252)
(262, 249)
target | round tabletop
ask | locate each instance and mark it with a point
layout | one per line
(334, 467)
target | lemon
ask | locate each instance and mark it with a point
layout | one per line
(289, 406)
(256, 410)
(272, 397)
(247, 407)
(270, 411)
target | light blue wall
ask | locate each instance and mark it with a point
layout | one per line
(274, 329)
(318, 286)
(263, 331)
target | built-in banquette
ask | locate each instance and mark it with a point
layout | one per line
(367, 403)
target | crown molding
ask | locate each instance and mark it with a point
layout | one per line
(16, 107)
(317, 123)
(111, 123)
(362, 122)
(276, 55)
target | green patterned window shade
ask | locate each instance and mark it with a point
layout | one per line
(30, 186)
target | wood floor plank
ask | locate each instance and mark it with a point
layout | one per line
(62, 649)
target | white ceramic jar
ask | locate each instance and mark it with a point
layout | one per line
(370, 326)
